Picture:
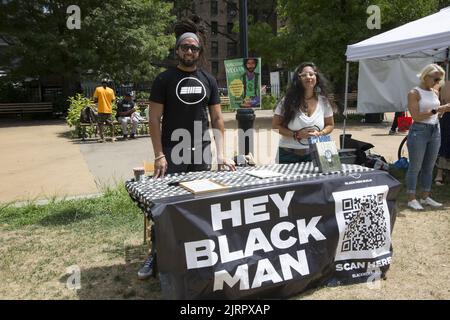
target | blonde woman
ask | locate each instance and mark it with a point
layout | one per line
(424, 137)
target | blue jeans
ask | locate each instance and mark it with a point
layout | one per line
(423, 144)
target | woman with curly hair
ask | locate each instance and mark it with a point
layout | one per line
(304, 112)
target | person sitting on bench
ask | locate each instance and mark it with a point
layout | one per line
(126, 113)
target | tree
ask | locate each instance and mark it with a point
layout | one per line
(122, 39)
(320, 30)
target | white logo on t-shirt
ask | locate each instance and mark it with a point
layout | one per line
(191, 89)
(187, 90)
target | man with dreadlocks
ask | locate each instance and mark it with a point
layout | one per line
(181, 96)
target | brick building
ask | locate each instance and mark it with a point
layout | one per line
(219, 18)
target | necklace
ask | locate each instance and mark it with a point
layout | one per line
(308, 106)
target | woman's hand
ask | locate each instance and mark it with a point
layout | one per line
(305, 133)
(442, 109)
(160, 168)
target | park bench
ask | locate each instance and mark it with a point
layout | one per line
(26, 108)
(352, 98)
(142, 129)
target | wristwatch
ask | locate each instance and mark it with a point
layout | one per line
(433, 111)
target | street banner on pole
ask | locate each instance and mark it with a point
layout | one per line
(244, 82)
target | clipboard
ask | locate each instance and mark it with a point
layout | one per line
(203, 186)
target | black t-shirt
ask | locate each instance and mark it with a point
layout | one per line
(186, 97)
(124, 106)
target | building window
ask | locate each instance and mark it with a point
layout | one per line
(214, 67)
(231, 9)
(230, 26)
(214, 8)
(214, 28)
(231, 49)
(214, 48)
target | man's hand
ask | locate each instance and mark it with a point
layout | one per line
(223, 163)
(160, 168)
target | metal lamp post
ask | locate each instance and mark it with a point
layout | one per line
(244, 116)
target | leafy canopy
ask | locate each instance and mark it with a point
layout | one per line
(122, 39)
(320, 30)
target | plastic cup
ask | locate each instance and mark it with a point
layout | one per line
(149, 167)
(138, 173)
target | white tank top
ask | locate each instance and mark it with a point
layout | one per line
(428, 100)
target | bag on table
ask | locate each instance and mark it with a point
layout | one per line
(404, 122)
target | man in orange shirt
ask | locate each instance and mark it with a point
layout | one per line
(105, 97)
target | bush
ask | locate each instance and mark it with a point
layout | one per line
(268, 102)
(353, 117)
(77, 103)
(142, 95)
(11, 93)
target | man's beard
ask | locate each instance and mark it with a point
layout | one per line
(187, 63)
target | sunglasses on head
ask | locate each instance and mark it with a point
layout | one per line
(186, 47)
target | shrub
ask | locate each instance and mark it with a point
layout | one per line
(268, 102)
(142, 95)
(77, 103)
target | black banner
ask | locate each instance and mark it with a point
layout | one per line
(278, 240)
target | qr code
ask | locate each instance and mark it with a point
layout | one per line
(363, 222)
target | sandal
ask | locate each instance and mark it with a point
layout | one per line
(439, 182)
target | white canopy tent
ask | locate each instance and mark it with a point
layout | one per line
(425, 37)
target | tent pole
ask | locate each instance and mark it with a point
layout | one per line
(448, 58)
(345, 103)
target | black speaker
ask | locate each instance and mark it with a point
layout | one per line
(358, 148)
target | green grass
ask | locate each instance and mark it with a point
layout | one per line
(114, 208)
(439, 193)
(104, 237)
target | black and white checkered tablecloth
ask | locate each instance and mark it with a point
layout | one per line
(149, 190)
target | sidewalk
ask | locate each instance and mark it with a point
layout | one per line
(39, 160)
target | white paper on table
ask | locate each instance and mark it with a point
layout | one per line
(264, 173)
(203, 185)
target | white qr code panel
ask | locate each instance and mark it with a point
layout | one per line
(364, 223)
